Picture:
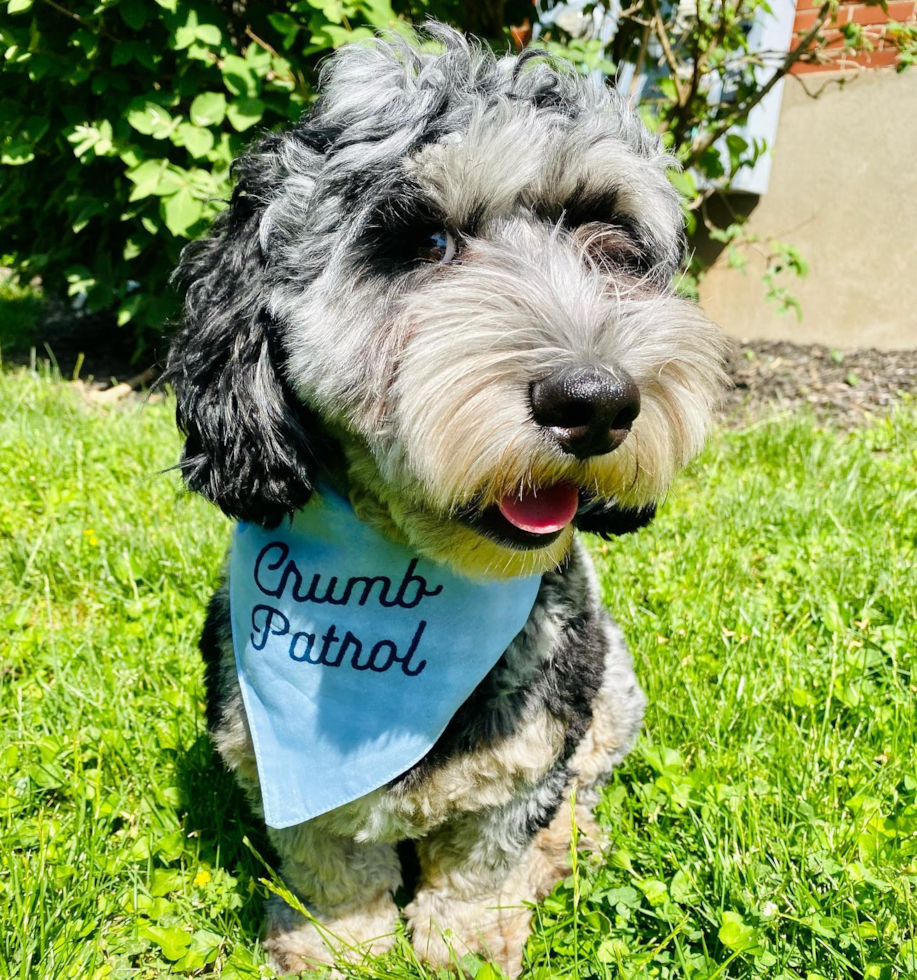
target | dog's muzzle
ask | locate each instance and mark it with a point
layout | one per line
(586, 411)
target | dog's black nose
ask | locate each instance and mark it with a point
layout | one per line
(588, 411)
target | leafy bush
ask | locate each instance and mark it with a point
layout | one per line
(118, 122)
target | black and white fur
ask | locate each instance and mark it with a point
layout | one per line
(316, 344)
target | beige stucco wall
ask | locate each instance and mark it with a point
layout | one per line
(844, 190)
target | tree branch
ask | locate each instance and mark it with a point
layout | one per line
(684, 112)
(89, 27)
(299, 82)
(641, 60)
(702, 145)
(659, 29)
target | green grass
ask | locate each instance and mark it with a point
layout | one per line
(765, 826)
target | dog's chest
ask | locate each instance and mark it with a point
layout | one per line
(488, 776)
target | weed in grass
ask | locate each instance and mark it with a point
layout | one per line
(765, 826)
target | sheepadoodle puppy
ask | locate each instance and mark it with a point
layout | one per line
(433, 334)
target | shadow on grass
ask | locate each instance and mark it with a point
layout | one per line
(91, 346)
(217, 815)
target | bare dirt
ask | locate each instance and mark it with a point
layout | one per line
(842, 388)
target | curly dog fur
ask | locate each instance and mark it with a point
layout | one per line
(390, 281)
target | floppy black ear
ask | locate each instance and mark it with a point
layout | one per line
(247, 445)
(610, 521)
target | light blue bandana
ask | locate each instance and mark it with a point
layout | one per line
(353, 654)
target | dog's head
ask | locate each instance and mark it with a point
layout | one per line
(450, 289)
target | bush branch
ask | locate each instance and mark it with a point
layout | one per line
(702, 145)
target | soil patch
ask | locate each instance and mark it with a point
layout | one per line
(842, 388)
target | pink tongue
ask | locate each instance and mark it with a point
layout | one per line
(543, 511)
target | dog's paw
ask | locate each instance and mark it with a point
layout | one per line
(444, 929)
(295, 944)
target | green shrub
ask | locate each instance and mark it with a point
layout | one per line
(118, 122)
(20, 309)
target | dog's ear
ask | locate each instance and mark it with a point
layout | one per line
(609, 520)
(248, 439)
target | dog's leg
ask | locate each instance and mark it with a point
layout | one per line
(479, 870)
(347, 886)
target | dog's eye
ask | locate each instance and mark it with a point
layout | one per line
(438, 247)
(612, 246)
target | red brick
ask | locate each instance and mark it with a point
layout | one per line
(847, 13)
(802, 5)
(900, 11)
(878, 59)
(868, 59)
(840, 61)
(827, 38)
(807, 69)
(836, 39)
(826, 31)
(522, 34)
(833, 39)
(804, 20)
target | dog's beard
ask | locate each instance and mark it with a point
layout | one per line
(430, 495)
(442, 535)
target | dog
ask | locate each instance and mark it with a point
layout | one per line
(448, 292)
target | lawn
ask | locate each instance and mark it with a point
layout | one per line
(766, 825)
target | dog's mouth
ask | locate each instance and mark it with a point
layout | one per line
(529, 519)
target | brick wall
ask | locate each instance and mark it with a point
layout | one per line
(873, 19)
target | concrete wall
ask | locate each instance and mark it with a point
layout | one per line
(843, 189)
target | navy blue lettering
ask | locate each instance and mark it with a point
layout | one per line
(272, 558)
(389, 660)
(306, 654)
(282, 550)
(382, 657)
(422, 590)
(367, 584)
(351, 641)
(276, 575)
(311, 596)
(267, 628)
(405, 661)
(329, 638)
